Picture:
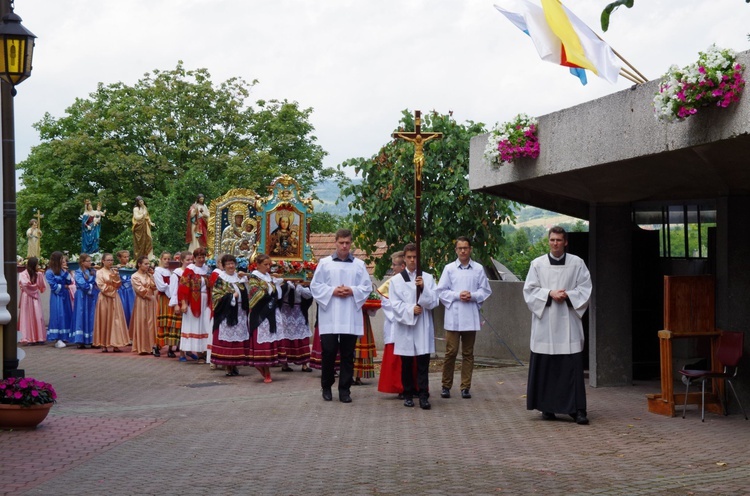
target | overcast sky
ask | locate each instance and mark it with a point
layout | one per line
(356, 63)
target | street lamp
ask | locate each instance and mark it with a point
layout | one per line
(17, 46)
(16, 51)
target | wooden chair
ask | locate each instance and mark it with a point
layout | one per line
(728, 354)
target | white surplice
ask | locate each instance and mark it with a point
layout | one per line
(463, 315)
(340, 315)
(413, 335)
(557, 329)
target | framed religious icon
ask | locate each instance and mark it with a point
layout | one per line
(233, 224)
(285, 229)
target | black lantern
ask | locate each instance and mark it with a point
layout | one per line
(16, 49)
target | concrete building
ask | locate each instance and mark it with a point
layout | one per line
(609, 161)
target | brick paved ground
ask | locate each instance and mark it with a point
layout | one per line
(141, 425)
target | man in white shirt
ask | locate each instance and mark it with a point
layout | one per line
(557, 291)
(340, 286)
(413, 330)
(463, 287)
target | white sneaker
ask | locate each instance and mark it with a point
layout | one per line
(60, 344)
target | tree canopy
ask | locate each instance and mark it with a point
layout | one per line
(384, 206)
(168, 137)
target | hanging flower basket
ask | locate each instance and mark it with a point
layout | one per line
(512, 140)
(715, 79)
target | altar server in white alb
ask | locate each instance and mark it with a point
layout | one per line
(413, 331)
(463, 287)
(557, 291)
(340, 286)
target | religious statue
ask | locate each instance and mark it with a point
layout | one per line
(142, 241)
(247, 244)
(231, 236)
(197, 224)
(33, 237)
(284, 239)
(91, 227)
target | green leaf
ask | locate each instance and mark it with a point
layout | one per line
(612, 7)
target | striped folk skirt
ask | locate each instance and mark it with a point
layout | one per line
(365, 352)
(168, 323)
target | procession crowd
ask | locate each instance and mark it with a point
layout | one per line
(229, 318)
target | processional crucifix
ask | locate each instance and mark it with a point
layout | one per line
(419, 138)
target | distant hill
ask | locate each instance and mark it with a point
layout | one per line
(328, 192)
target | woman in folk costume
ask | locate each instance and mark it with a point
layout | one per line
(127, 297)
(231, 337)
(364, 353)
(60, 307)
(194, 294)
(164, 313)
(84, 305)
(294, 345)
(30, 316)
(263, 294)
(174, 334)
(143, 320)
(110, 328)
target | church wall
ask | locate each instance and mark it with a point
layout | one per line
(508, 320)
(733, 279)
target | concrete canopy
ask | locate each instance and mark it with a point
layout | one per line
(613, 151)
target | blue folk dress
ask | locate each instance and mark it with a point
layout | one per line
(60, 307)
(127, 295)
(84, 307)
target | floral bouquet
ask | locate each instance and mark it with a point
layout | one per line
(26, 391)
(716, 78)
(511, 140)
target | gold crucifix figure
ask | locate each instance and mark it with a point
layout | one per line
(419, 139)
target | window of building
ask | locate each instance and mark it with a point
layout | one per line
(683, 227)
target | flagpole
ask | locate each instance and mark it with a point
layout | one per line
(627, 76)
(624, 71)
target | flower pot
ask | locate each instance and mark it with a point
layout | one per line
(23, 417)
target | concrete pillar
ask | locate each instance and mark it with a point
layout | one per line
(610, 311)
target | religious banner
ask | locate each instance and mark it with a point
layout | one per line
(285, 229)
(233, 224)
(244, 224)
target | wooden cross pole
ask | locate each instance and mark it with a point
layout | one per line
(419, 138)
(39, 218)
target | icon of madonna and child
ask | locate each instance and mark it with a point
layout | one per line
(284, 234)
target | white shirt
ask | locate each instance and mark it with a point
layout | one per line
(557, 329)
(163, 287)
(174, 281)
(340, 315)
(463, 315)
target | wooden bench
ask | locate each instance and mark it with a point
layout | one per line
(689, 312)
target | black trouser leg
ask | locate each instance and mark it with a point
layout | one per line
(329, 344)
(407, 376)
(347, 342)
(423, 375)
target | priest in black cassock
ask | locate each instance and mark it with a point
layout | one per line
(557, 291)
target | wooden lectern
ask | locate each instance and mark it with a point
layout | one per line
(689, 312)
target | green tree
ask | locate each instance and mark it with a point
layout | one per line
(168, 137)
(383, 204)
(326, 222)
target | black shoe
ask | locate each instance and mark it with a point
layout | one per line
(170, 354)
(287, 369)
(548, 416)
(409, 402)
(581, 418)
(424, 404)
(345, 397)
(157, 353)
(307, 369)
(80, 346)
(445, 393)
(327, 395)
(465, 394)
